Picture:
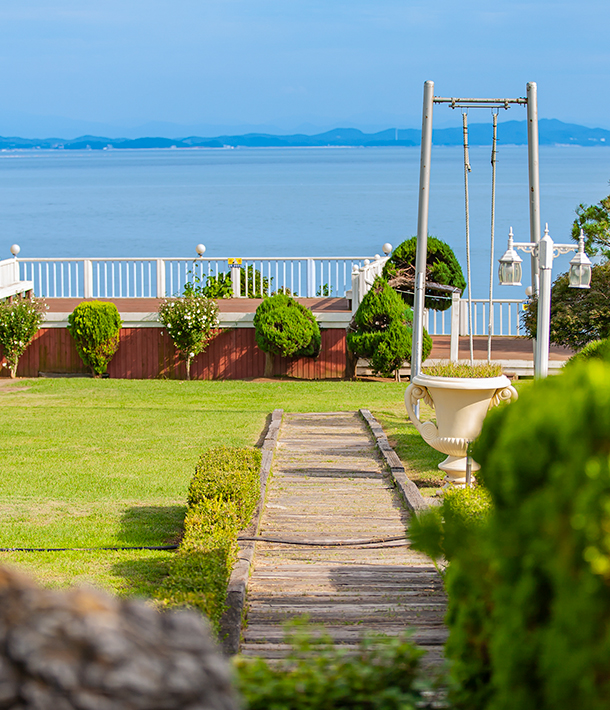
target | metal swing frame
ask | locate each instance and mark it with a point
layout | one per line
(531, 102)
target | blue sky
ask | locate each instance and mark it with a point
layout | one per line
(294, 63)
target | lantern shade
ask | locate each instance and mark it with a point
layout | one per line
(509, 272)
(580, 274)
(580, 266)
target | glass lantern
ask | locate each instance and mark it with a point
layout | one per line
(580, 267)
(509, 272)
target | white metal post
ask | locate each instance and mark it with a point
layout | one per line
(534, 184)
(543, 325)
(311, 278)
(161, 278)
(87, 278)
(236, 280)
(422, 230)
(455, 327)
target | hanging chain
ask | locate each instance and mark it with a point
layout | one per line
(493, 229)
(467, 169)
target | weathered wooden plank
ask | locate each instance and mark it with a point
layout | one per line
(329, 482)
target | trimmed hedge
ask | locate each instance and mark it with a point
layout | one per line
(222, 496)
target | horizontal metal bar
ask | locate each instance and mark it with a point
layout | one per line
(474, 103)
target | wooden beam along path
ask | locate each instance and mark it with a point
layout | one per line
(329, 482)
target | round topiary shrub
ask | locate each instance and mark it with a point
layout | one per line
(95, 327)
(443, 273)
(381, 330)
(287, 328)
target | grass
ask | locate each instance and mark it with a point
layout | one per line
(108, 462)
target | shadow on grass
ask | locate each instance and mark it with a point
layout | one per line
(152, 524)
(146, 570)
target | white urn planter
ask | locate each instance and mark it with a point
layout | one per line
(460, 404)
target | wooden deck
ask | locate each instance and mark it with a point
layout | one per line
(328, 484)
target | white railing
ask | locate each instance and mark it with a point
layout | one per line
(9, 272)
(506, 317)
(363, 278)
(149, 278)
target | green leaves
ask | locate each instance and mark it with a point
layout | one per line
(19, 323)
(95, 327)
(190, 322)
(578, 316)
(287, 328)
(441, 265)
(381, 329)
(594, 220)
(223, 495)
(379, 675)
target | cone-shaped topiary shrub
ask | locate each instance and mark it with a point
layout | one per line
(381, 330)
(95, 327)
(285, 327)
(442, 269)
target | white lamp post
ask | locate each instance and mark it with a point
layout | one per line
(544, 252)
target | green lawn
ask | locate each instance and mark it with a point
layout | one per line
(107, 462)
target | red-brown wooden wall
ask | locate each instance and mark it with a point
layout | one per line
(146, 353)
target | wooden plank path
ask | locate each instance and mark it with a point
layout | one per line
(329, 483)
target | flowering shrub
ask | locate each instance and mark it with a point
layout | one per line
(19, 322)
(189, 322)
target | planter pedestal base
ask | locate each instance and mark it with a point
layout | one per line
(455, 468)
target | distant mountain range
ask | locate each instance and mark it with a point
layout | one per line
(551, 132)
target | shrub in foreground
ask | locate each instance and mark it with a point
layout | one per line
(529, 608)
(381, 330)
(19, 323)
(380, 675)
(223, 495)
(285, 327)
(95, 328)
(595, 350)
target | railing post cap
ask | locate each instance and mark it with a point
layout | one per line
(15, 249)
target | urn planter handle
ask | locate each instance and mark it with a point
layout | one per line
(460, 405)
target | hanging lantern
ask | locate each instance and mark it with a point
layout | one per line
(580, 266)
(509, 271)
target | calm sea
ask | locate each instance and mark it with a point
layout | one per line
(284, 202)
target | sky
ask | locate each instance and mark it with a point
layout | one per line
(291, 64)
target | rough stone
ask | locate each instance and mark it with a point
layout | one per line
(84, 650)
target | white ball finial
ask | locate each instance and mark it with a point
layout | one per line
(387, 248)
(200, 249)
(15, 249)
